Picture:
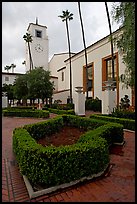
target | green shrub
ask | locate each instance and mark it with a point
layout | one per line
(57, 111)
(113, 133)
(80, 122)
(93, 104)
(127, 123)
(45, 128)
(26, 113)
(57, 165)
(123, 114)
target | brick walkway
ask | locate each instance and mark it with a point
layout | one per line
(117, 186)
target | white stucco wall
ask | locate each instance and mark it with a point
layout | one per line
(57, 62)
(95, 53)
(10, 76)
(55, 81)
(61, 96)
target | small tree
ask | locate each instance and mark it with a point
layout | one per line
(124, 13)
(39, 84)
(10, 91)
(20, 87)
(124, 103)
(7, 68)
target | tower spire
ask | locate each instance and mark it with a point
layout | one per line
(36, 20)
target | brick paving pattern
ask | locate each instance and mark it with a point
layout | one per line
(118, 185)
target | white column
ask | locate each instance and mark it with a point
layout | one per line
(79, 101)
(108, 97)
(4, 100)
(108, 101)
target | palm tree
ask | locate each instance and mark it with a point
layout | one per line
(13, 67)
(28, 39)
(7, 68)
(82, 28)
(111, 40)
(24, 62)
(65, 17)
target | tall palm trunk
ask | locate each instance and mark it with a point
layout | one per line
(31, 63)
(70, 62)
(84, 49)
(111, 40)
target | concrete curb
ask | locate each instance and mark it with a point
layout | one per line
(129, 130)
(34, 194)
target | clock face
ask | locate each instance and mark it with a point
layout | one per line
(39, 48)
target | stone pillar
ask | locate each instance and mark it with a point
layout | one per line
(4, 100)
(79, 101)
(108, 98)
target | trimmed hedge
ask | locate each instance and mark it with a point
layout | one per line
(57, 111)
(26, 113)
(112, 133)
(123, 114)
(57, 165)
(82, 122)
(41, 129)
(127, 123)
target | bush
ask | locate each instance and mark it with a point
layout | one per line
(93, 104)
(57, 111)
(113, 133)
(57, 165)
(123, 114)
(127, 123)
(26, 113)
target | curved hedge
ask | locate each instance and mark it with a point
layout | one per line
(57, 165)
(127, 123)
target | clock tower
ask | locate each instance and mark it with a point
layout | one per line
(39, 47)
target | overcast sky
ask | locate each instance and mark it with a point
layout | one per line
(16, 17)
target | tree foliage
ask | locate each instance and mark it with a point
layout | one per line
(9, 89)
(20, 87)
(39, 84)
(34, 84)
(124, 13)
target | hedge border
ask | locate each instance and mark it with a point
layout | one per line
(127, 123)
(26, 113)
(28, 152)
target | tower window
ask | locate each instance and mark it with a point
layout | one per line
(38, 33)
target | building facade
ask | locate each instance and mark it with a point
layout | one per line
(99, 67)
(99, 70)
(9, 78)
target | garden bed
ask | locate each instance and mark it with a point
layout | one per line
(86, 156)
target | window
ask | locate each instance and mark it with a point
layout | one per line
(6, 78)
(62, 76)
(38, 33)
(107, 72)
(109, 69)
(90, 78)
